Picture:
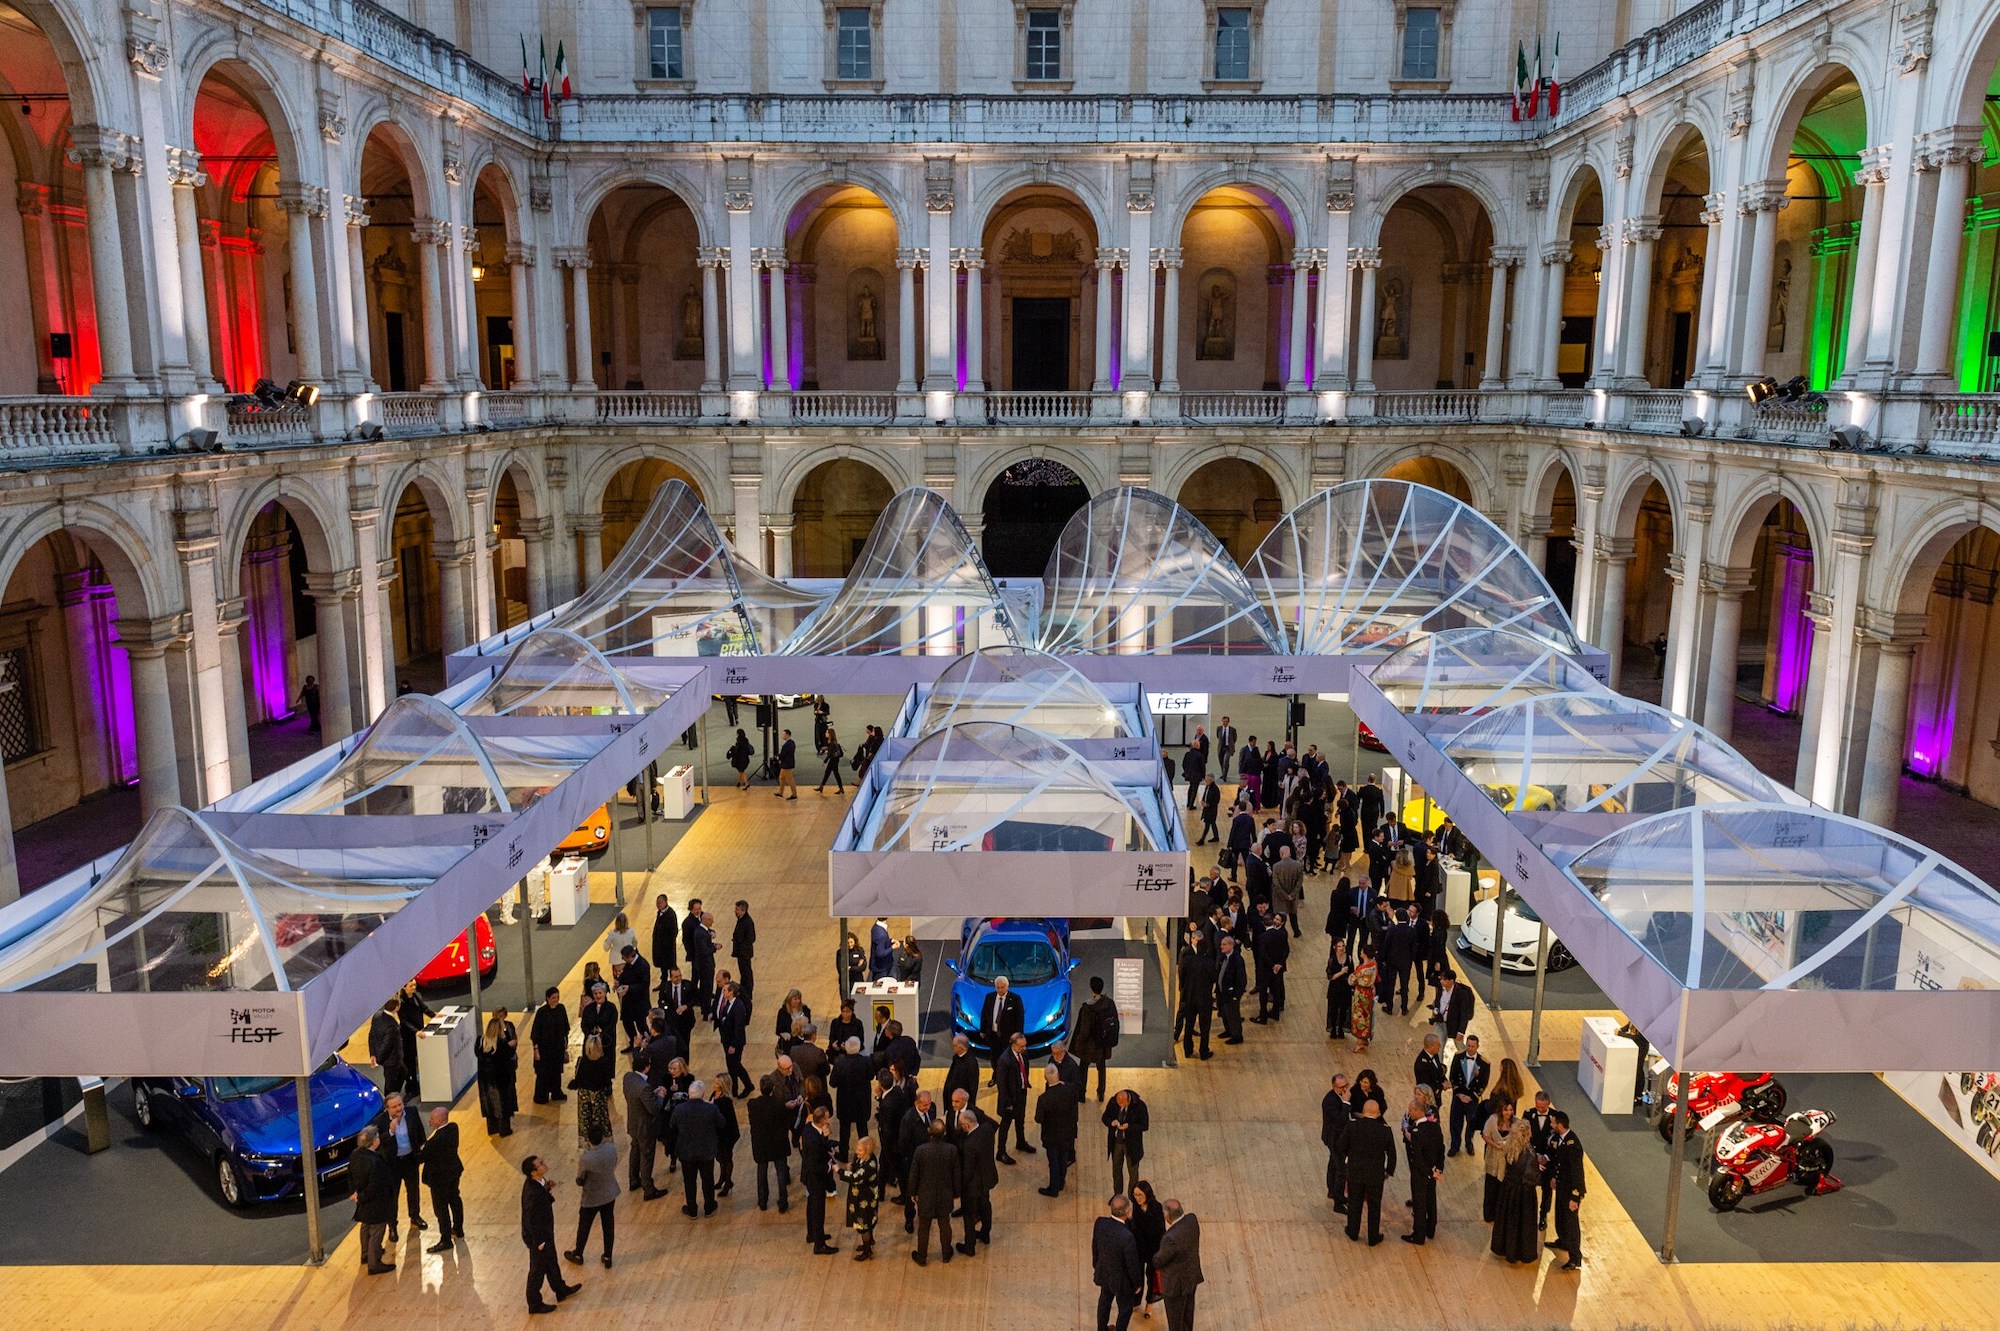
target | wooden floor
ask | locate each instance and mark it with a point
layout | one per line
(1237, 1139)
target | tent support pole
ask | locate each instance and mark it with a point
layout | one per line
(652, 793)
(840, 961)
(701, 729)
(1499, 941)
(528, 945)
(1678, 1155)
(611, 846)
(472, 963)
(309, 1172)
(1541, 983)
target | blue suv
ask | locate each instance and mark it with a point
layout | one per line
(1034, 956)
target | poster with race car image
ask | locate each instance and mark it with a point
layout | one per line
(1964, 1105)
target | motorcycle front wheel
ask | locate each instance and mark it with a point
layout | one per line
(1725, 1191)
(1814, 1162)
(1765, 1103)
(1667, 1126)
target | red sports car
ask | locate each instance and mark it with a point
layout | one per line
(448, 966)
(1366, 738)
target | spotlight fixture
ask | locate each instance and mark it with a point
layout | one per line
(301, 392)
(1693, 427)
(1760, 389)
(368, 430)
(1849, 437)
(202, 441)
(1794, 388)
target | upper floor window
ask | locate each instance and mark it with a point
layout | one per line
(854, 44)
(1044, 52)
(665, 37)
(1422, 42)
(1232, 45)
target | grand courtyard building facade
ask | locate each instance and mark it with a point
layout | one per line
(1712, 335)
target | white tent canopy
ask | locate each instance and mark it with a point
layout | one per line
(1472, 670)
(1019, 686)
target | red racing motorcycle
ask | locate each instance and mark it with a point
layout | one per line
(1754, 1157)
(1715, 1097)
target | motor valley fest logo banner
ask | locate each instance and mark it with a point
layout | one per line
(252, 1024)
(1965, 1105)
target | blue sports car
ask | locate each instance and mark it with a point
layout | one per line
(1034, 956)
(248, 1127)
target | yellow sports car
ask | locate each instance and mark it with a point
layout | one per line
(1423, 814)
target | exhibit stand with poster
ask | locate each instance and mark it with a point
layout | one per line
(878, 1002)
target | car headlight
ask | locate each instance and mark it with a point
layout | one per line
(269, 1164)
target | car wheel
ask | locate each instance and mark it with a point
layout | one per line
(1725, 1192)
(142, 1106)
(230, 1182)
(1559, 958)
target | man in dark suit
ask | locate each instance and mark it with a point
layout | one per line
(1242, 837)
(788, 763)
(385, 1044)
(1566, 1154)
(1369, 800)
(442, 1171)
(1425, 1148)
(1381, 859)
(978, 1176)
(934, 1185)
(635, 994)
(1211, 809)
(1232, 979)
(1115, 1267)
(1399, 954)
(1334, 1115)
(1001, 1017)
(911, 1135)
(701, 961)
(881, 951)
(1225, 747)
(666, 936)
(372, 1183)
(732, 1025)
(1196, 1002)
(1469, 1075)
(743, 947)
(1429, 1070)
(1126, 1121)
(1056, 1114)
(850, 1080)
(1541, 1138)
(1368, 1152)
(538, 1233)
(963, 1074)
(893, 1048)
(1361, 899)
(816, 1173)
(1194, 769)
(690, 922)
(681, 1001)
(1179, 1263)
(1274, 954)
(1452, 1009)
(1011, 1076)
(771, 1142)
(403, 1147)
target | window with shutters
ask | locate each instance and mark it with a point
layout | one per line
(1423, 44)
(1236, 36)
(666, 37)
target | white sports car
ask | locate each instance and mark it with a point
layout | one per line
(1517, 950)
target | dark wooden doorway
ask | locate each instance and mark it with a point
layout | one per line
(1041, 344)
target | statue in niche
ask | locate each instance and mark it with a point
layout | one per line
(1218, 324)
(1781, 297)
(1389, 323)
(864, 314)
(689, 346)
(864, 327)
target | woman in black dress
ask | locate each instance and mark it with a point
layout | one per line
(854, 962)
(1517, 1230)
(1339, 996)
(909, 962)
(592, 1085)
(740, 753)
(1438, 957)
(863, 1177)
(413, 1013)
(510, 1062)
(492, 1079)
(844, 1026)
(1367, 1088)
(1149, 1226)
(793, 1018)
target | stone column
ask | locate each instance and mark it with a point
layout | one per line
(98, 152)
(146, 643)
(1820, 614)
(1873, 177)
(377, 659)
(1641, 235)
(577, 262)
(301, 204)
(229, 629)
(1335, 288)
(781, 346)
(348, 359)
(1888, 720)
(590, 526)
(357, 262)
(940, 297)
(1616, 555)
(1602, 372)
(1760, 202)
(1831, 777)
(1100, 381)
(1728, 586)
(975, 321)
(455, 565)
(472, 366)
(1169, 262)
(195, 546)
(745, 367)
(1711, 265)
(1368, 259)
(748, 514)
(1954, 154)
(480, 612)
(907, 261)
(1136, 317)
(535, 536)
(1555, 277)
(780, 525)
(331, 593)
(184, 167)
(1490, 376)
(1295, 370)
(520, 272)
(428, 236)
(711, 258)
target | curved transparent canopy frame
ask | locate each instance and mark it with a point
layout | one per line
(1601, 752)
(1371, 565)
(987, 786)
(1765, 896)
(672, 590)
(919, 588)
(185, 909)
(554, 672)
(1474, 670)
(421, 757)
(1020, 686)
(1135, 572)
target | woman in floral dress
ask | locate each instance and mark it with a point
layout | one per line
(1361, 980)
(863, 1177)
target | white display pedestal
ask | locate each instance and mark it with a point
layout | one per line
(1457, 894)
(445, 1062)
(676, 792)
(1608, 1067)
(880, 1001)
(569, 891)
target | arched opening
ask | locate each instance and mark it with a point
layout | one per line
(1951, 664)
(499, 321)
(278, 645)
(51, 346)
(1559, 555)
(1235, 292)
(417, 610)
(1237, 500)
(1679, 257)
(1583, 281)
(1968, 354)
(1024, 512)
(400, 267)
(1817, 258)
(512, 601)
(1432, 292)
(629, 494)
(842, 329)
(1763, 652)
(69, 732)
(1044, 324)
(250, 217)
(1649, 598)
(832, 513)
(1434, 472)
(645, 293)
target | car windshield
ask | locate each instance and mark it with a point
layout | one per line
(1021, 960)
(1524, 910)
(242, 1088)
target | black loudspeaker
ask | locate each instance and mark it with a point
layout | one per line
(59, 346)
(767, 716)
(1298, 713)
(1993, 344)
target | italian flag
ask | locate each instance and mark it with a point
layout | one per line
(1555, 77)
(548, 107)
(1535, 84)
(527, 81)
(562, 73)
(1520, 78)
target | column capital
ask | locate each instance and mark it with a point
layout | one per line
(1308, 257)
(1556, 252)
(1169, 257)
(468, 238)
(1713, 206)
(572, 256)
(1110, 256)
(1763, 196)
(184, 169)
(94, 145)
(969, 257)
(454, 553)
(429, 231)
(908, 258)
(1731, 584)
(152, 637)
(588, 524)
(519, 256)
(769, 256)
(1607, 237)
(1950, 146)
(334, 586)
(1365, 256)
(1639, 230)
(299, 199)
(357, 209)
(534, 530)
(712, 256)
(1505, 256)
(1893, 632)
(1616, 550)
